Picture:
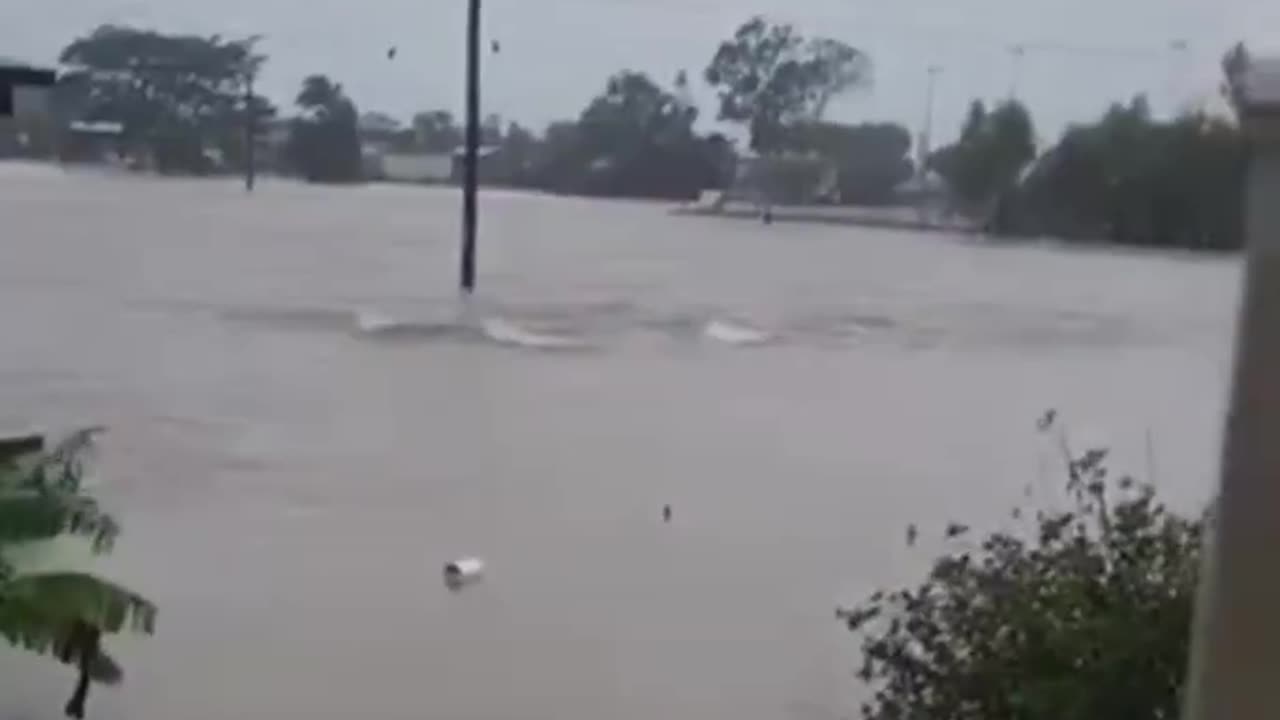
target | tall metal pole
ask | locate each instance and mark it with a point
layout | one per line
(250, 135)
(1235, 651)
(470, 174)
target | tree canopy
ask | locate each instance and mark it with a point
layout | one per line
(177, 96)
(324, 142)
(993, 150)
(1130, 178)
(634, 138)
(768, 76)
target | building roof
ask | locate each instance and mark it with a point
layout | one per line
(14, 72)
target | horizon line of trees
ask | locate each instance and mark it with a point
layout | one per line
(1128, 177)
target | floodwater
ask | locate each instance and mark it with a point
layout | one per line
(304, 426)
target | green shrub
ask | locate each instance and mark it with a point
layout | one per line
(1082, 613)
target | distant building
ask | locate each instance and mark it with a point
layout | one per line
(93, 142)
(24, 88)
(415, 167)
(24, 98)
(379, 133)
(429, 167)
(491, 164)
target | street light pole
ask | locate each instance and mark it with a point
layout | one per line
(1235, 647)
(470, 174)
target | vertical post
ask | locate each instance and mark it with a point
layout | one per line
(250, 135)
(470, 174)
(1235, 652)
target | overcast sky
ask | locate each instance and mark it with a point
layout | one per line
(556, 54)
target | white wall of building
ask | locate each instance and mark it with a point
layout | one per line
(417, 167)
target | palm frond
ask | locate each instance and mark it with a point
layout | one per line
(26, 464)
(30, 515)
(64, 465)
(35, 608)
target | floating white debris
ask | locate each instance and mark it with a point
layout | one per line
(463, 571)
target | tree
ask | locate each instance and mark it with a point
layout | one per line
(491, 130)
(324, 142)
(993, 150)
(1131, 179)
(769, 76)
(177, 96)
(636, 139)
(519, 149)
(1234, 66)
(1084, 613)
(436, 131)
(44, 610)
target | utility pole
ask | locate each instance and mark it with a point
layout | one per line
(1235, 649)
(250, 134)
(470, 174)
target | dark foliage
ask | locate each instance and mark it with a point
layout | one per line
(1131, 179)
(324, 142)
(769, 77)
(178, 97)
(634, 139)
(993, 150)
(1082, 614)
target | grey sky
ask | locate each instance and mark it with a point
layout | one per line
(556, 54)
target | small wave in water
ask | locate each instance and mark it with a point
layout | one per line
(496, 330)
(505, 332)
(372, 322)
(560, 329)
(732, 333)
(376, 324)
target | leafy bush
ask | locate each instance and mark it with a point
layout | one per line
(1081, 614)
